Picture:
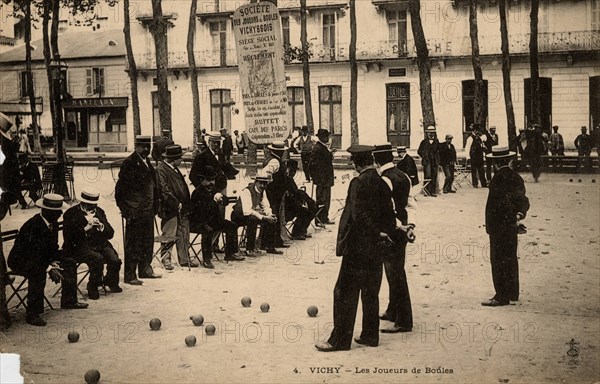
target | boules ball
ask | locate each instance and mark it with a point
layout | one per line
(198, 320)
(246, 301)
(579, 181)
(210, 329)
(155, 324)
(312, 311)
(190, 341)
(570, 180)
(265, 307)
(92, 376)
(73, 337)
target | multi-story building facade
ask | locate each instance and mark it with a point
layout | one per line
(97, 89)
(388, 82)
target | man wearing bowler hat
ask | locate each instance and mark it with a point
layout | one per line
(136, 195)
(174, 208)
(87, 233)
(320, 170)
(429, 150)
(35, 254)
(506, 205)
(366, 225)
(160, 144)
(273, 167)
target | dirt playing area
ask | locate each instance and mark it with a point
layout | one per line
(551, 335)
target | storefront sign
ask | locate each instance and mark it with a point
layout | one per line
(257, 29)
(101, 102)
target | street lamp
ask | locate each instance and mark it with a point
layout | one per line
(58, 69)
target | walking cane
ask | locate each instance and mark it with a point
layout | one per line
(187, 250)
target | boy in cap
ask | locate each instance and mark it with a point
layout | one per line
(366, 225)
(174, 208)
(136, 195)
(35, 254)
(86, 239)
(447, 161)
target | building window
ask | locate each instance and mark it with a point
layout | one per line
(94, 82)
(23, 84)
(329, 36)
(330, 108)
(220, 109)
(397, 30)
(285, 26)
(296, 103)
(19, 29)
(595, 103)
(545, 103)
(468, 105)
(218, 36)
(155, 113)
(398, 113)
(595, 15)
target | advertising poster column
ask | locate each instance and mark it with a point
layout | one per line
(257, 29)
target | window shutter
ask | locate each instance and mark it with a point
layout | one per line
(89, 83)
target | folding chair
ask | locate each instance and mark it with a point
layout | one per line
(164, 239)
(424, 185)
(461, 173)
(85, 273)
(17, 291)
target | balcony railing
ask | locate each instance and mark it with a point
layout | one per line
(555, 42)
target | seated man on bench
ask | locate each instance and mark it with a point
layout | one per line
(87, 233)
(206, 218)
(35, 254)
(30, 179)
(251, 209)
(298, 204)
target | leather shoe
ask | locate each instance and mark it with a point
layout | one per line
(396, 329)
(451, 191)
(115, 289)
(329, 222)
(274, 251)
(234, 257)
(134, 282)
(35, 320)
(298, 237)
(324, 346)
(307, 235)
(252, 253)
(168, 267)
(75, 305)
(282, 245)
(368, 343)
(494, 303)
(93, 294)
(385, 316)
(150, 276)
(208, 264)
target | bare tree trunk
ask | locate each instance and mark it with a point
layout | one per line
(353, 76)
(48, 54)
(508, 104)
(479, 117)
(193, 71)
(30, 91)
(159, 32)
(423, 63)
(135, 101)
(305, 69)
(534, 65)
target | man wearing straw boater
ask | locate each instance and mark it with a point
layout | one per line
(506, 205)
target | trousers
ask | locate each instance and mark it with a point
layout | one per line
(176, 227)
(505, 265)
(399, 307)
(95, 258)
(139, 241)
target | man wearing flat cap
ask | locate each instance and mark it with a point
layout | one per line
(366, 226)
(174, 208)
(447, 161)
(320, 170)
(430, 159)
(86, 240)
(506, 205)
(206, 219)
(35, 254)
(136, 195)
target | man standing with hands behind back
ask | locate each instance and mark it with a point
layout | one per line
(320, 171)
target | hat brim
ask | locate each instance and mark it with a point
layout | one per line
(40, 204)
(174, 156)
(84, 200)
(492, 156)
(277, 149)
(5, 134)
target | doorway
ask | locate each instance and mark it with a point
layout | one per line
(398, 113)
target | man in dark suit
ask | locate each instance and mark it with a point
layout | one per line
(447, 161)
(227, 146)
(30, 179)
(399, 309)
(506, 205)
(366, 225)
(304, 144)
(160, 144)
(320, 170)
(136, 195)
(475, 144)
(430, 159)
(407, 165)
(273, 167)
(87, 233)
(206, 219)
(35, 254)
(491, 140)
(211, 156)
(298, 205)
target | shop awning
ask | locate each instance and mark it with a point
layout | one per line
(21, 107)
